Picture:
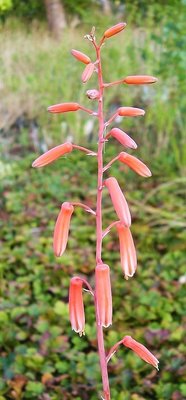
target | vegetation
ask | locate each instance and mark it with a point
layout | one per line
(38, 348)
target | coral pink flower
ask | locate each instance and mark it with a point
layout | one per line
(52, 155)
(127, 251)
(118, 201)
(103, 295)
(64, 107)
(134, 163)
(130, 112)
(62, 229)
(139, 79)
(76, 306)
(141, 351)
(122, 137)
(87, 73)
(80, 56)
(114, 29)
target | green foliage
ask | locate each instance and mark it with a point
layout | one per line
(36, 339)
(5, 5)
(29, 9)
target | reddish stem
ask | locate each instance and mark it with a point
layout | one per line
(92, 112)
(107, 230)
(87, 208)
(110, 163)
(100, 338)
(110, 120)
(113, 350)
(113, 83)
(89, 152)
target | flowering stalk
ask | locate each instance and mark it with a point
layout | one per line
(101, 293)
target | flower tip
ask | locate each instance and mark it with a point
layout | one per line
(34, 164)
(157, 366)
(134, 145)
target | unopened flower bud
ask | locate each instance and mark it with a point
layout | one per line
(92, 94)
(134, 163)
(141, 351)
(130, 112)
(103, 295)
(52, 155)
(139, 79)
(61, 230)
(114, 30)
(63, 107)
(118, 200)
(122, 137)
(87, 73)
(81, 56)
(127, 251)
(76, 306)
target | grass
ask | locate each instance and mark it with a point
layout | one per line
(37, 71)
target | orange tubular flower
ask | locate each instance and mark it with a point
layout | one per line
(103, 295)
(76, 306)
(134, 163)
(141, 351)
(80, 56)
(130, 112)
(118, 201)
(52, 155)
(139, 79)
(62, 229)
(63, 107)
(122, 137)
(87, 73)
(127, 251)
(114, 30)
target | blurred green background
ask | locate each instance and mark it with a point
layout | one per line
(40, 357)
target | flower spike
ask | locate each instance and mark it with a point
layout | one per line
(61, 230)
(114, 30)
(118, 201)
(141, 351)
(139, 80)
(127, 251)
(76, 306)
(122, 137)
(80, 56)
(52, 155)
(103, 295)
(134, 163)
